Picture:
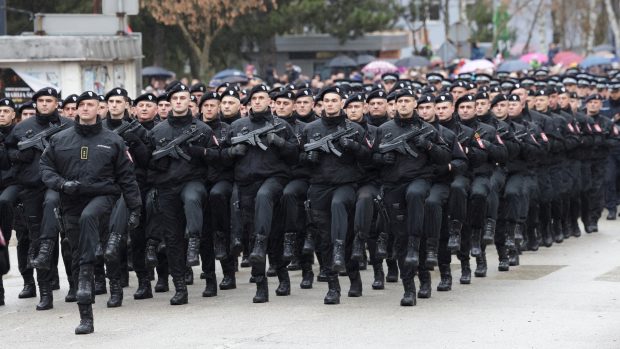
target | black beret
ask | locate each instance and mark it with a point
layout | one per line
(495, 89)
(514, 98)
(47, 91)
(389, 76)
(391, 96)
(162, 97)
(482, 95)
(306, 92)
(171, 84)
(543, 92)
(429, 89)
(288, 94)
(458, 83)
(483, 77)
(176, 89)
(101, 98)
(117, 91)
(358, 97)
(593, 97)
(224, 85)
(573, 95)
(301, 85)
(229, 92)
(257, 89)
(326, 90)
(70, 99)
(376, 94)
(199, 87)
(208, 96)
(7, 102)
(499, 98)
(146, 97)
(444, 97)
(426, 99)
(404, 92)
(465, 99)
(193, 98)
(531, 93)
(86, 96)
(27, 105)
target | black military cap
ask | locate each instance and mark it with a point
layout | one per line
(499, 98)
(593, 97)
(171, 84)
(86, 96)
(301, 85)
(429, 89)
(146, 97)
(193, 99)
(7, 102)
(224, 85)
(176, 89)
(257, 89)
(404, 92)
(483, 77)
(389, 76)
(162, 97)
(427, 98)
(465, 99)
(210, 96)
(573, 95)
(541, 73)
(358, 97)
(514, 98)
(101, 98)
(376, 94)
(527, 82)
(285, 95)
(391, 96)
(465, 76)
(543, 92)
(27, 105)
(501, 75)
(117, 91)
(70, 99)
(329, 89)
(459, 83)
(482, 95)
(306, 92)
(199, 87)
(561, 90)
(47, 91)
(444, 97)
(507, 86)
(229, 92)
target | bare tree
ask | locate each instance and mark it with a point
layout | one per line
(613, 21)
(526, 47)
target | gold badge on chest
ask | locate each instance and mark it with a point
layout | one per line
(84, 153)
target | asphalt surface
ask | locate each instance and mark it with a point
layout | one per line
(566, 296)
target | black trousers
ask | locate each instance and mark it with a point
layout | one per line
(497, 181)
(459, 193)
(138, 240)
(294, 195)
(217, 221)
(596, 193)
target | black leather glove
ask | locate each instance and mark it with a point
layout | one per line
(196, 151)
(313, 156)
(349, 144)
(25, 156)
(422, 143)
(389, 158)
(70, 187)
(274, 139)
(134, 219)
(238, 150)
(131, 138)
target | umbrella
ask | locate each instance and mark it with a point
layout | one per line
(605, 47)
(412, 62)
(606, 54)
(513, 65)
(591, 61)
(228, 73)
(476, 65)
(567, 58)
(539, 57)
(379, 67)
(365, 59)
(156, 71)
(342, 61)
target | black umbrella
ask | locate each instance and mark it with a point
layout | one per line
(157, 72)
(342, 61)
(365, 59)
(412, 62)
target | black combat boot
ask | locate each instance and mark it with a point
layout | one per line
(481, 265)
(547, 236)
(356, 284)
(113, 248)
(567, 229)
(392, 272)
(71, 297)
(84, 292)
(46, 300)
(465, 272)
(533, 244)
(379, 282)
(180, 296)
(309, 245)
(510, 235)
(412, 259)
(445, 283)
(219, 245)
(151, 254)
(289, 246)
(44, 258)
(116, 294)
(211, 285)
(271, 271)
(611, 216)
(425, 284)
(144, 290)
(229, 282)
(358, 250)
(162, 283)
(338, 256)
(333, 294)
(431, 253)
(257, 256)
(193, 251)
(558, 235)
(284, 288)
(30, 289)
(513, 258)
(576, 229)
(1, 291)
(189, 276)
(100, 286)
(382, 246)
(502, 254)
(294, 265)
(322, 277)
(408, 299)
(86, 325)
(307, 278)
(489, 231)
(262, 290)
(476, 248)
(454, 241)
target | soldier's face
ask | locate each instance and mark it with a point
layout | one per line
(427, 112)
(284, 107)
(500, 110)
(575, 103)
(180, 103)
(593, 106)
(163, 108)
(444, 111)
(28, 113)
(230, 106)
(193, 107)
(69, 110)
(117, 106)
(198, 95)
(514, 108)
(377, 107)
(209, 109)
(355, 111)
(303, 105)
(46, 105)
(563, 101)
(541, 103)
(553, 101)
(87, 111)
(103, 108)
(318, 108)
(260, 102)
(389, 84)
(467, 110)
(391, 109)
(482, 107)
(332, 103)
(7, 114)
(146, 111)
(406, 106)
(457, 92)
(614, 94)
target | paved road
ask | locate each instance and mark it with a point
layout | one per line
(567, 296)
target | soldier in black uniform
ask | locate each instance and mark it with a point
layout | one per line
(261, 175)
(38, 201)
(180, 188)
(406, 183)
(90, 167)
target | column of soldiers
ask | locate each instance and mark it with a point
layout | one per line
(406, 172)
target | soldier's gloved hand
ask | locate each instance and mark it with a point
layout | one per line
(313, 156)
(422, 142)
(196, 151)
(70, 187)
(25, 156)
(238, 150)
(134, 219)
(389, 158)
(349, 144)
(274, 139)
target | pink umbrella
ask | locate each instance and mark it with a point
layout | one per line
(477, 65)
(539, 57)
(379, 67)
(567, 58)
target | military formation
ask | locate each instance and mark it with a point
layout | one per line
(330, 181)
